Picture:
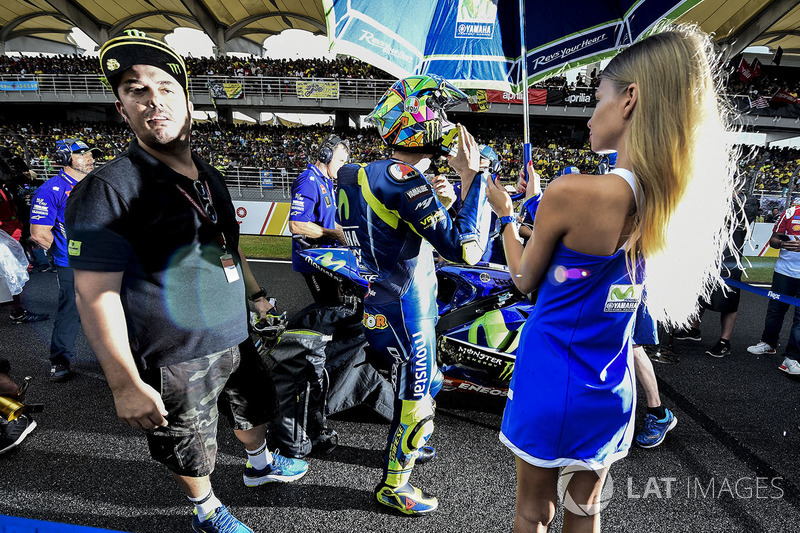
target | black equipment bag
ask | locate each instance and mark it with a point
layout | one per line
(301, 382)
(353, 379)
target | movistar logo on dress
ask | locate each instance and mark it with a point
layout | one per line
(622, 298)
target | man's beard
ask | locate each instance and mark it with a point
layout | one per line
(83, 168)
(162, 140)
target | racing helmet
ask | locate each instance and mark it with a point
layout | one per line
(411, 115)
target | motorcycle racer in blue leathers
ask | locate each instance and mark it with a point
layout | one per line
(390, 215)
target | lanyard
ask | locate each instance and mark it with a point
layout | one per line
(220, 236)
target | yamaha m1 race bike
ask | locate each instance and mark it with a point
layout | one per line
(481, 314)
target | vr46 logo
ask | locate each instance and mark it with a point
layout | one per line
(431, 220)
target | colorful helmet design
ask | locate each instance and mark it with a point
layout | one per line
(411, 115)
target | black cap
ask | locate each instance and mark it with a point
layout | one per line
(136, 48)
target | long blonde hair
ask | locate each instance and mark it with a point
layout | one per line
(681, 149)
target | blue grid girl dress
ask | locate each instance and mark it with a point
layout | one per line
(572, 395)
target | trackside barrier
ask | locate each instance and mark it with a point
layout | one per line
(785, 298)
(12, 524)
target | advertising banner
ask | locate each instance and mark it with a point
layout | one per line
(535, 97)
(225, 90)
(758, 244)
(476, 19)
(317, 89)
(19, 85)
(546, 96)
(580, 96)
(266, 179)
(262, 218)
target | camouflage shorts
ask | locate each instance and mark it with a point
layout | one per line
(194, 393)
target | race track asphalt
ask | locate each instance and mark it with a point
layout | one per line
(730, 464)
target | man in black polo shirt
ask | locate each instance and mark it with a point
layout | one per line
(161, 283)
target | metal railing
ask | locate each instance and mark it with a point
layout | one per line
(254, 90)
(243, 182)
(252, 86)
(275, 185)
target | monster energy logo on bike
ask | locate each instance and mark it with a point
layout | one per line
(622, 298)
(505, 375)
(344, 206)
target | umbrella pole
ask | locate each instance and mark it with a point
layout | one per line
(526, 134)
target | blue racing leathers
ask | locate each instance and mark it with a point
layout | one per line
(391, 216)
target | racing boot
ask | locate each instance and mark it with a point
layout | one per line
(407, 499)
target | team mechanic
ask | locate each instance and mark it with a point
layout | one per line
(49, 233)
(390, 213)
(313, 214)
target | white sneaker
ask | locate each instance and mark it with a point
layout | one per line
(761, 348)
(790, 366)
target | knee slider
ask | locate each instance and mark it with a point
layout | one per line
(419, 435)
(417, 416)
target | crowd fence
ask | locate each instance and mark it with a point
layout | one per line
(318, 90)
(275, 184)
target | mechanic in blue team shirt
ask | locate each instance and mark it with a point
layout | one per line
(49, 233)
(313, 213)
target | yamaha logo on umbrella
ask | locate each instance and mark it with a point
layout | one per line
(476, 19)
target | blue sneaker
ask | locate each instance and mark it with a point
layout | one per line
(407, 499)
(282, 469)
(655, 430)
(219, 521)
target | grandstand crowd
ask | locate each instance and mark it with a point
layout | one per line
(205, 66)
(271, 147)
(769, 82)
(769, 79)
(231, 66)
(278, 147)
